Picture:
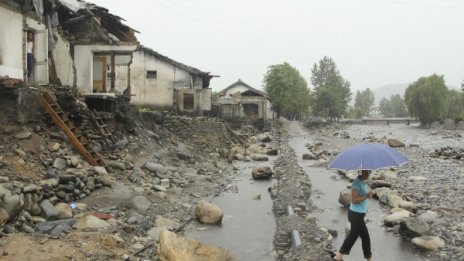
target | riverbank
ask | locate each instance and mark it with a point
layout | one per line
(433, 184)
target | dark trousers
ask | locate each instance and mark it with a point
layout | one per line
(30, 63)
(358, 229)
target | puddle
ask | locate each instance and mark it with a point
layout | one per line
(248, 226)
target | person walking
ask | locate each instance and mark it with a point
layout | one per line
(358, 209)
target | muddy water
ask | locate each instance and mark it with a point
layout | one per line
(326, 187)
(248, 226)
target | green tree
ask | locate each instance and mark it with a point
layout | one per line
(288, 89)
(426, 99)
(398, 106)
(332, 93)
(386, 108)
(363, 102)
(455, 108)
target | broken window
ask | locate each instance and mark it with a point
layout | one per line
(188, 101)
(151, 74)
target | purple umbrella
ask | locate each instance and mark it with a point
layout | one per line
(369, 156)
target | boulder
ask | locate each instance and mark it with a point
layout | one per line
(396, 217)
(380, 184)
(208, 213)
(394, 143)
(64, 211)
(345, 197)
(13, 204)
(48, 210)
(413, 227)
(428, 216)
(262, 173)
(175, 248)
(382, 194)
(309, 156)
(408, 205)
(91, 221)
(394, 200)
(428, 242)
(272, 152)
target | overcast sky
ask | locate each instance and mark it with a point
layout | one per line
(373, 42)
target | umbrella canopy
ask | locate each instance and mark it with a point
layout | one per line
(368, 156)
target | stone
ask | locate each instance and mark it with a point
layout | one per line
(382, 194)
(175, 248)
(48, 226)
(30, 188)
(23, 135)
(394, 143)
(428, 216)
(155, 167)
(166, 223)
(259, 158)
(428, 242)
(140, 203)
(48, 210)
(413, 227)
(3, 191)
(408, 205)
(59, 163)
(4, 217)
(91, 221)
(50, 182)
(264, 137)
(309, 156)
(396, 217)
(208, 213)
(394, 200)
(100, 170)
(380, 184)
(154, 232)
(64, 211)
(345, 197)
(262, 173)
(272, 152)
(13, 204)
(53, 146)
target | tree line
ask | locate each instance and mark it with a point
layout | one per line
(428, 99)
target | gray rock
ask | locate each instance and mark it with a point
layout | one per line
(13, 204)
(59, 163)
(30, 188)
(413, 227)
(259, 158)
(61, 228)
(3, 191)
(428, 216)
(155, 167)
(23, 135)
(345, 197)
(48, 210)
(141, 203)
(100, 170)
(48, 226)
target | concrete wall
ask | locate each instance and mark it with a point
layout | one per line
(83, 60)
(11, 44)
(63, 62)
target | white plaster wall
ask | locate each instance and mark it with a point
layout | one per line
(83, 60)
(159, 91)
(11, 44)
(63, 61)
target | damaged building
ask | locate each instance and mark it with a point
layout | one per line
(161, 82)
(240, 100)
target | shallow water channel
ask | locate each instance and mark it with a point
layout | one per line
(330, 214)
(248, 226)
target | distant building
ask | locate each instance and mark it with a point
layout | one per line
(240, 100)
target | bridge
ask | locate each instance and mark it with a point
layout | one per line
(407, 121)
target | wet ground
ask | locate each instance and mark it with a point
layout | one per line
(326, 187)
(248, 226)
